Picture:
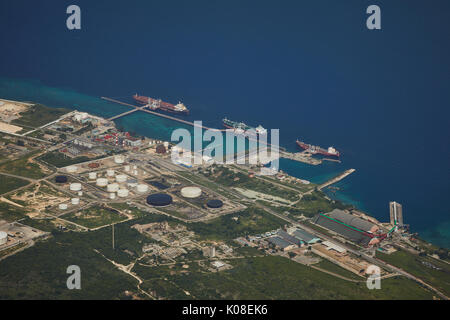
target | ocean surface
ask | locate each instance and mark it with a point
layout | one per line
(309, 68)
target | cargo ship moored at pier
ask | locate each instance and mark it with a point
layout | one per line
(330, 152)
(158, 104)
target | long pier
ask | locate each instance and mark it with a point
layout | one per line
(136, 108)
(336, 179)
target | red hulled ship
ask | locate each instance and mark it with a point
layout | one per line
(158, 104)
(330, 152)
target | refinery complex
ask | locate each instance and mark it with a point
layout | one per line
(77, 174)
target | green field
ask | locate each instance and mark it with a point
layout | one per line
(10, 183)
(250, 222)
(440, 279)
(23, 167)
(11, 213)
(38, 115)
(95, 216)
(332, 267)
(59, 160)
(273, 277)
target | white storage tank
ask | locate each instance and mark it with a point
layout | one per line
(127, 168)
(113, 187)
(76, 186)
(3, 237)
(92, 175)
(122, 193)
(72, 169)
(112, 195)
(110, 173)
(62, 206)
(191, 192)
(75, 201)
(80, 193)
(121, 178)
(102, 182)
(166, 144)
(119, 159)
(134, 167)
(142, 188)
(135, 172)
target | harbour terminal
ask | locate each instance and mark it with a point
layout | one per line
(76, 174)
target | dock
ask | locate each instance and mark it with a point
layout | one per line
(336, 179)
(136, 108)
(300, 157)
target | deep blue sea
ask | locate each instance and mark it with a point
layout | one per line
(310, 68)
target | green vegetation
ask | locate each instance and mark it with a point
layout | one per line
(38, 115)
(164, 289)
(421, 267)
(10, 183)
(95, 216)
(316, 202)
(250, 221)
(332, 267)
(42, 273)
(23, 167)
(11, 213)
(274, 277)
(134, 211)
(59, 160)
(233, 178)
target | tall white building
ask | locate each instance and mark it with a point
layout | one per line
(396, 213)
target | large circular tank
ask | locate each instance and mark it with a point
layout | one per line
(92, 175)
(3, 237)
(121, 178)
(214, 203)
(113, 187)
(142, 188)
(61, 179)
(122, 193)
(159, 199)
(119, 159)
(110, 173)
(75, 201)
(62, 206)
(72, 169)
(76, 186)
(191, 192)
(102, 182)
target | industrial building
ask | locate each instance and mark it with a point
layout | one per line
(396, 213)
(358, 236)
(281, 243)
(287, 237)
(305, 236)
(353, 221)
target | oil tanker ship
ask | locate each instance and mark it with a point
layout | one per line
(242, 128)
(330, 152)
(158, 104)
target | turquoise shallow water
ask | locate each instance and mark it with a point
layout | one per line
(161, 128)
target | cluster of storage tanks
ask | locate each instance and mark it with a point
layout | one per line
(118, 188)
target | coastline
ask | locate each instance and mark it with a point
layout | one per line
(151, 126)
